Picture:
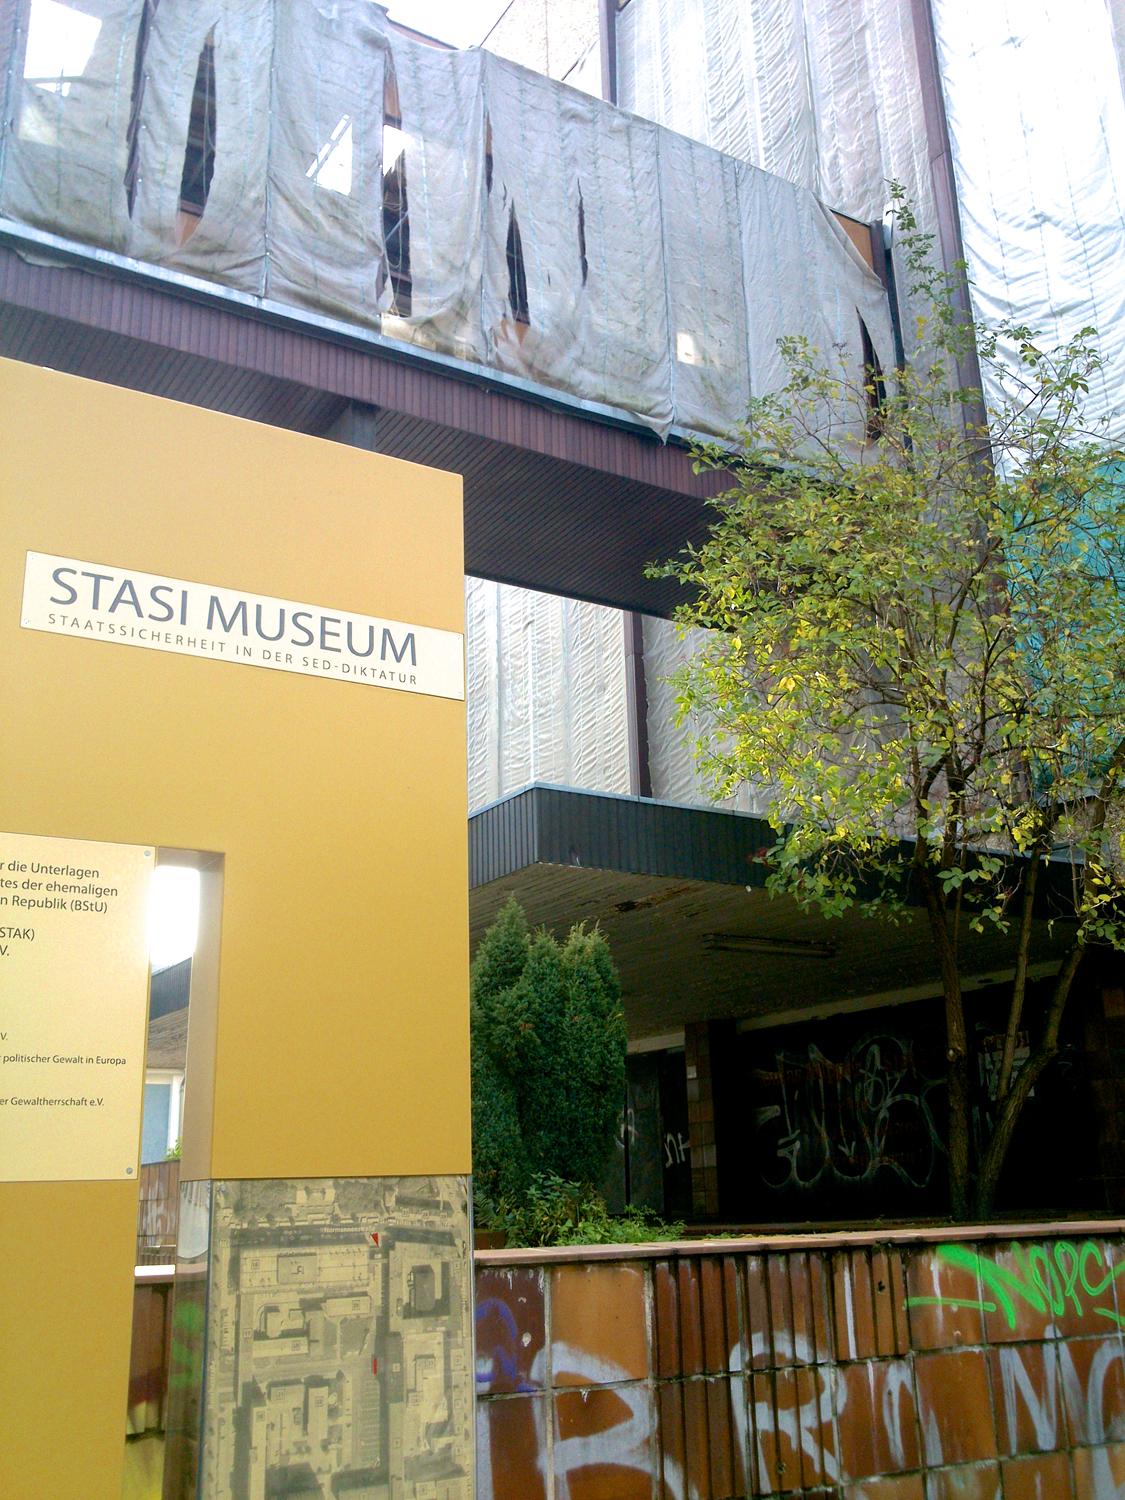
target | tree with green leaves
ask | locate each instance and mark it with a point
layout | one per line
(548, 1056)
(912, 600)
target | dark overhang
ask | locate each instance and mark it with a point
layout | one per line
(560, 495)
(602, 831)
(695, 936)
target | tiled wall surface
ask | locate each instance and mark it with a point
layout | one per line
(989, 1369)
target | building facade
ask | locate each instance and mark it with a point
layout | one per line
(549, 266)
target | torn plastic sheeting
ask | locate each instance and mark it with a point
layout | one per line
(442, 112)
(325, 227)
(804, 278)
(586, 206)
(561, 274)
(546, 692)
(228, 242)
(706, 297)
(1037, 124)
(66, 154)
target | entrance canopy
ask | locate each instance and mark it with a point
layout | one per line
(669, 885)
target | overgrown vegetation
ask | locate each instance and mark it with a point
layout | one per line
(915, 624)
(553, 1211)
(548, 1056)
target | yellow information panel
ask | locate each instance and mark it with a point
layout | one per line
(73, 1007)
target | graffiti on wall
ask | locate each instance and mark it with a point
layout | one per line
(1049, 1279)
(592, 1379)
(821, 1121)
(677, 1148)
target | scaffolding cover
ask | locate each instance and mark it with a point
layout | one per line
(441, 101)
(540, 231)
(228, 242)
(1037, 125)
(578, 182)
(825, 94)
(671, 746)
(66, 143)
(804, 277)
(325, 246)
(707, 300)
(546, 693)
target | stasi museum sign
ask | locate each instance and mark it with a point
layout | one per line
(97, 601)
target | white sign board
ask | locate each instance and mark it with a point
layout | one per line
(73, 1007)
(97, 601)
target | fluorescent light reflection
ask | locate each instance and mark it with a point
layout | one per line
(173, 915)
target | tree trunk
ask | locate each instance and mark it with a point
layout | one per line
(958, 1108)
(957, 1050)
(1011, 1105)
(1019, 983)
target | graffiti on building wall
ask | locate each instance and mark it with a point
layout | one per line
(822, 1121)
(782, 1426)
(1049, 1279)
(593, 1379)
(676, 1148)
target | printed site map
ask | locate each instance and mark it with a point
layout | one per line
(339, 1362)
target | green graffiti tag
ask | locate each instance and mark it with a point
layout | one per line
(1047, 1278)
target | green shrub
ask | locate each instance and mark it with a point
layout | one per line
(548, 1038)
(553, 1211)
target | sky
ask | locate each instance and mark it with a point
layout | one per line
(464, 23)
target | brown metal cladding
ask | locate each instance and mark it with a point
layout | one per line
(554, 499)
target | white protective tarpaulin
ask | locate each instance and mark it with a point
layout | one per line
(546, 234)
(1037, 124)
(546, 692)
(825, 94)
(706, 297)
(66, 148)
(580, 183)
(325, 222)
(442, 136)
(671, 746)
(228, 243)
(804, 277)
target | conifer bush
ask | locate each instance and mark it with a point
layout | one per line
(548, 1059)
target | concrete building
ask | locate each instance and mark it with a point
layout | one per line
(460, 259)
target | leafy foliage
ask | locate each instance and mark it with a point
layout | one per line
(915, 610)
(548, 1057)
(553, 1211)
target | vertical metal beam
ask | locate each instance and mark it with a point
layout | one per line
(636, 706)
(607, 38)
(885, 270)
(356, 425)
(944, 181)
